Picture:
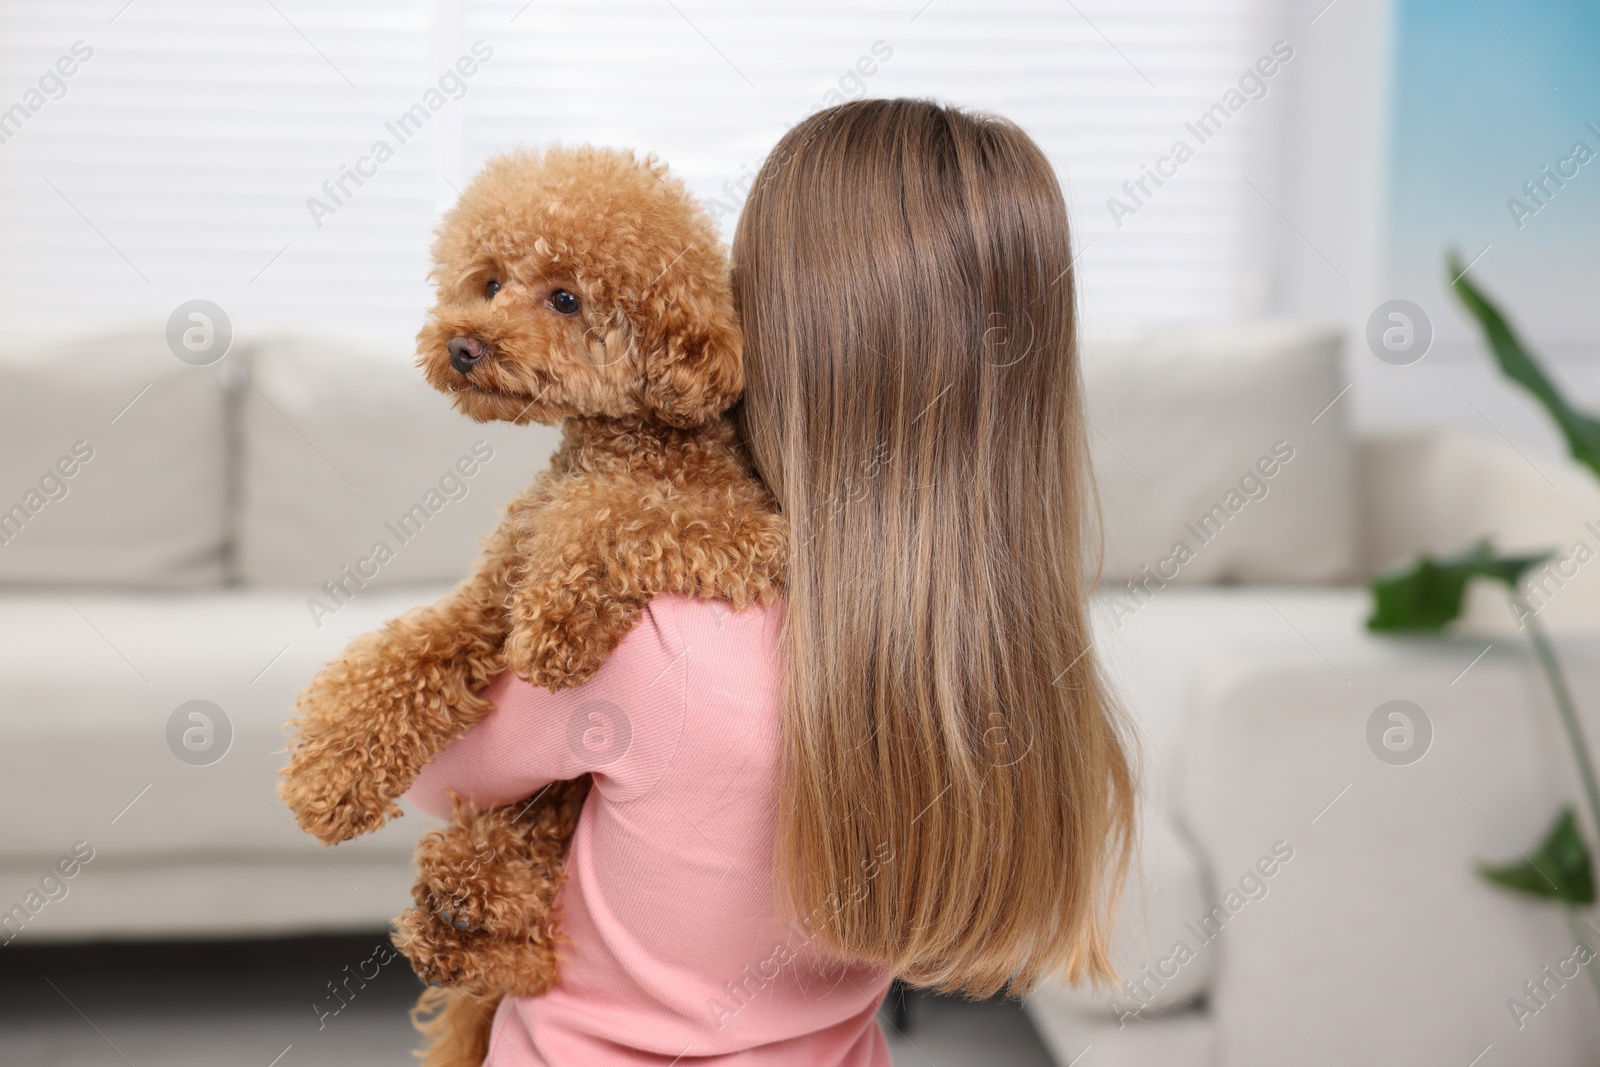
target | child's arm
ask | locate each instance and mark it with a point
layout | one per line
(518, 749)
(487, 883)
(622, 726)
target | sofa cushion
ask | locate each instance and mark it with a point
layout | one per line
(217, 895)
(347, 449)
(1218, 457)
(113, 463)
(90, 692)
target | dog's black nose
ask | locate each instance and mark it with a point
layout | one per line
(465, 352)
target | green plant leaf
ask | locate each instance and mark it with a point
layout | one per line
(1426, 594)
(1559, 870)
(1581, 430)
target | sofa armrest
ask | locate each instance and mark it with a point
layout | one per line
(1438, 493)
(1377, 943)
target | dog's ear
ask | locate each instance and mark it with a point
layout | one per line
(689, 343)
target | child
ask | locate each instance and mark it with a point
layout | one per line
(909, 767)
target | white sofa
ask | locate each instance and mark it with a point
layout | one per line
(191, 559)
(1375, 943)
(219, 545)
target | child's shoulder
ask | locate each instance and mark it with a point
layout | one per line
(720, 639)
(725, 664)
(686, 613)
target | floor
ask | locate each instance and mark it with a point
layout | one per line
(266, 1004)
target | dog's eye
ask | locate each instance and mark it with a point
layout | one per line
(492, 288)
(563, 302)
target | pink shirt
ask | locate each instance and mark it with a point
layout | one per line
(678, 949)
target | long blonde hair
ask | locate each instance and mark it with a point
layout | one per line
(956, 801)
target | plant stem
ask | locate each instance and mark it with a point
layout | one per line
(1563, 698)
(1571, 915)
(1579, 744)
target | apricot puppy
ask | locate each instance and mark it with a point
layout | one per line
(582, 288)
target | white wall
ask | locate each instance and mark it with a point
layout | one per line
(1337, 259)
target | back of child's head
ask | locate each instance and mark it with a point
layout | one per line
(957, 801)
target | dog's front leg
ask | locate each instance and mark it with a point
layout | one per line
(582, 584)
(372, 719)
(563, 628)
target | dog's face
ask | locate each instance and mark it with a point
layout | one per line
(581, 282)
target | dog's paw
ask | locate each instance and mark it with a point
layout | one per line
(554, 676)
(333, 783)
(472, 962)
(560, 656)
(470, 903)
(442, 955)
(331, 804)
(482, 875)
(363, 730)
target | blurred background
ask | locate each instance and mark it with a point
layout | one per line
(214, 230)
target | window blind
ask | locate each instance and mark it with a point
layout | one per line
(231, 151)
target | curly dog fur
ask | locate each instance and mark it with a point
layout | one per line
(585, 288)
(484, 895)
